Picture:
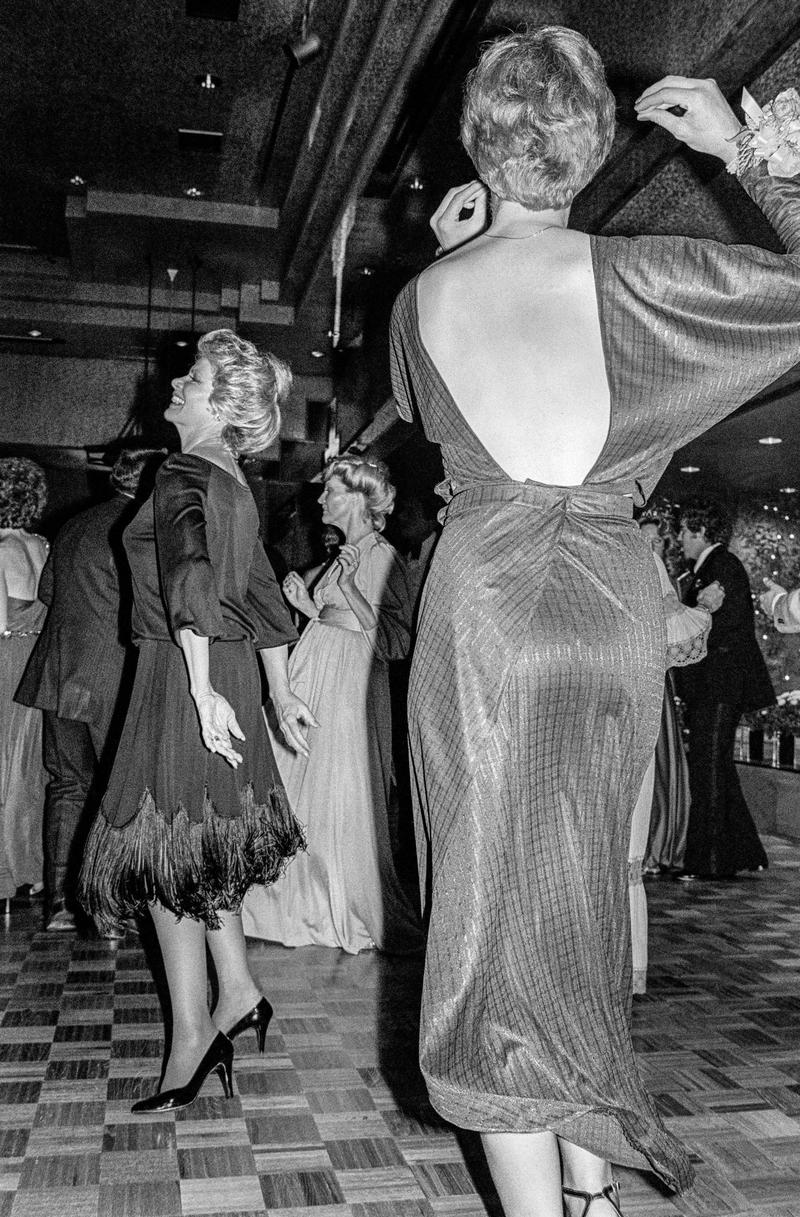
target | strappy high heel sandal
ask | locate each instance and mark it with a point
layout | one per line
(609, 1193)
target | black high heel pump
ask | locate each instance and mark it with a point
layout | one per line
(258, 1019)
(218, 1059)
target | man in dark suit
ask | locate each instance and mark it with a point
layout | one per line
(80, 671)
(732, 679)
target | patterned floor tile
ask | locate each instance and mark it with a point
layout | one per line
(333, 1120)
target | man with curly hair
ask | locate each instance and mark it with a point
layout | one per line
(732, 679)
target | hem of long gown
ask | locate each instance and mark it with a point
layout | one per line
(195, 868)
(605, 1131)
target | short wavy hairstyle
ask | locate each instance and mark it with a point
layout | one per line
(538, 116)
(711, 515)
(23, 492)
(248, 390)
(367, 478)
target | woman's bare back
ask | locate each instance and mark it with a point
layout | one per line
(513, 329)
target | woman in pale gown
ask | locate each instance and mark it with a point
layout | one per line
(344, 891)
(23, 496)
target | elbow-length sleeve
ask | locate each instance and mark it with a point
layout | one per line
(270, 615)
(382, 580)
(188, 586)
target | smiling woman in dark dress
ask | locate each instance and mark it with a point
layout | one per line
(195, 812)
(558, 372)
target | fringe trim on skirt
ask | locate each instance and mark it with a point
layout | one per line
(195, 868)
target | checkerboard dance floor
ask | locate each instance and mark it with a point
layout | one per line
(333, 1121)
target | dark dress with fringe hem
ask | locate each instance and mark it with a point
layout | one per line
(178, 824)
(536, 689)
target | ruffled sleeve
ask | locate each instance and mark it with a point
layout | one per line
(382, 580)
(268, 610)
(186, 576)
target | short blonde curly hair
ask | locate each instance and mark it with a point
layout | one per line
(538, 116)
(367, 478)
(248, 389)
(23, 492)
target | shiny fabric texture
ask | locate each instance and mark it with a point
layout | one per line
(536, 693)
(669, 814)
(343, 891)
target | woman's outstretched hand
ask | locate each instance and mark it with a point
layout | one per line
(450, 230)
(294, 719)
(217, 725)
(707, 122)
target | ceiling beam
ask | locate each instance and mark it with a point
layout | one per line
(764, 32)
(336, 168)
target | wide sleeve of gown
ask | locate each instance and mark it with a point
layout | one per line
(188, 585)
(383, 581)
(692, 329)
(269, 614)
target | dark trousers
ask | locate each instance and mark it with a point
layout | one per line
(722, 837)
(72, 752)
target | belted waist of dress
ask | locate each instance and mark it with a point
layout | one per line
(342, 619)
(572, 500)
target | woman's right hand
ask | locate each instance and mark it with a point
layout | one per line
(707, 123)
(217, 725)
(449, 229)
(296, 592)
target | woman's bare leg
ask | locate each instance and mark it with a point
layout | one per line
(585, 1172)
(183, 951)
(238, 992)
(526, 1170)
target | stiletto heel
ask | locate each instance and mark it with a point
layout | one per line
(258, 1019)
(224, 1072)
(218, 1059)
(609, 1193)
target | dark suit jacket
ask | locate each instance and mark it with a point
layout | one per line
(734, 670)
(76, 667)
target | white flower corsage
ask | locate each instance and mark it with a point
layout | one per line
(772, 134)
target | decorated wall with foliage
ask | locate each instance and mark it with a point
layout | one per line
(766, 538)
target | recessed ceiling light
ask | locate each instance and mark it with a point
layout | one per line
(317, 354)
(181, 343)
(770, 439)
(77, 180)
(788, 490)
(34, 333)
(690, 468)
(193, 192)
(208, 81)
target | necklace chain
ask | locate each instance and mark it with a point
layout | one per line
(506, 236)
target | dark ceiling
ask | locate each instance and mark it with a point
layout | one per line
(102, 194)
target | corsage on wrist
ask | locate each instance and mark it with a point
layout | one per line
(772, 135)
